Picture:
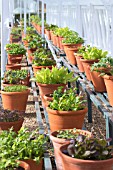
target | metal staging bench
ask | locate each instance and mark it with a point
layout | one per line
(100, 100)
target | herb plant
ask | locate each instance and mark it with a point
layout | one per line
(14, 76)
(73, 40)
(9, 116)
(17, 50)
(66, 101)
(54, 76)
(15, 88)
(89, 148)
(21, 146)
(12, 45)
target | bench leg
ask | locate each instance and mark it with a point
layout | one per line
(89, 109)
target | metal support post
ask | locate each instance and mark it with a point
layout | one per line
(42, 18)
(25, 6)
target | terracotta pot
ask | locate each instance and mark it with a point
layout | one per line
(26, 43)
(47, 89)
(54, 40)
(12, 59)
(98, 81)
(26, 81)
(13, 67)
(7, 125)
(33, 165)
(71, 56)
(79, 63)
(47, 98)
(47, 32)
(57, 42)
(51, 34)
(38, 68)
(66, 119)
(79, 164)
(87, 63)
(24, 165)
(15, 100)
(58, 142)
(60, 41)
(109, 86)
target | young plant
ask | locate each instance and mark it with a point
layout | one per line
(73, 40)
(15, 88)
(12, 45)
(9, 116)
(66, 101)
(17, 50)
(20, 146)
(89, 148)
(14, 76)
(54, 76)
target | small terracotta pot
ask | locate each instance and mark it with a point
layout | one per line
(48, 98)
(66, 119)
(13, 67)
(15, 100)
(54, 40)
(58, 142)
(71, 56)
(26, 81)
(38, 68)
(24, 165)
(47, 32)
(109, 86)
(98, 81)
(80, 164)
(57, 42)
(87, 63)
(60, 41)
(48, 89)
(33, 165)
(79, 63)
(16, 125)
(12, 59)
(51, 34)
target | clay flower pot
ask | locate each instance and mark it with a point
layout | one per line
(47, 98)
(15, 100)
(58, 142)
(109, 86)
(47, 32)
(16, 125)
(60, 41)
(71, 56)
(33, 165)
(57, 42)
(13, 67)
(87, 63)
(38, 68)
(66, 119)
(54, 40)
(24, 165)
(79, 164)
(79, 63)
(12, 59)
(98, 81)
(48, 89)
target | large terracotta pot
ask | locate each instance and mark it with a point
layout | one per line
(71, 56)
(16, 125)
(98, 81)
(66, 119)
(79, 164)
(47, 89)
(33, 165)
(24, 165)
(86, 64)
(12, 59)
(13, 67)
(15, 100)
(79, 63)
(109, 86)
(38, 68)
(58, 142)
(47, 32)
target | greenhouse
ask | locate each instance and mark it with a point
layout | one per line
(56, 85)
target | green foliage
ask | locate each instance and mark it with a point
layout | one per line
(15, 88)
(15, 31)
(54, 76)
(73, 39)
(14, 76)
(94, 53)
(66, 101)
(69, 133)
(30, 30)
(106, 63)
(17, 50)
(20, 146)
(65, 32)
(12, 46)
(89, 148)
(36, 44)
